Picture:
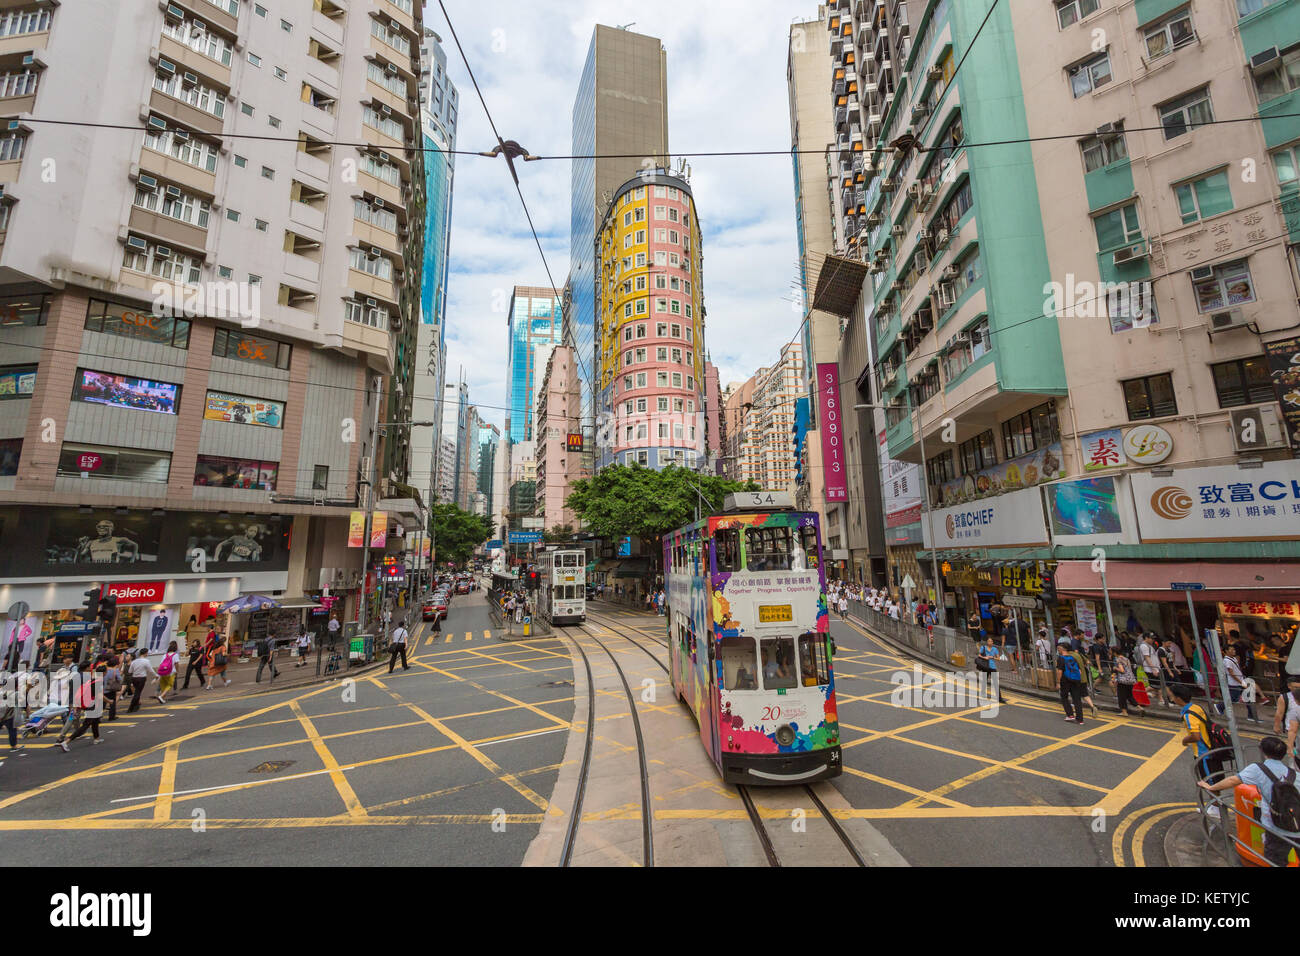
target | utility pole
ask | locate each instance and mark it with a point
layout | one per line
(369, 508)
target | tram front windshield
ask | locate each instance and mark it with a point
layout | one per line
(772, 662)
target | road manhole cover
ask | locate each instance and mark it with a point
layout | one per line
(272, 766)
(557, 683)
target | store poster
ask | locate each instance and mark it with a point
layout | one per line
(223, 407)
(238, 539)
(1085, 617)
(101, 537)
(1085, 507)
(158, 628)
(1284, 364)
(1103, 449)
(26, 633)
(125, 391)
(900, 484)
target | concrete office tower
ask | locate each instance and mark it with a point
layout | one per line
(559, 456)
(1107, 295)
(489, 439)
(650, 374)
(195, 322)
(438, 110)
(534, 319)
(621, 110)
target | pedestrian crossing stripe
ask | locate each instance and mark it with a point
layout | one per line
(487, 635)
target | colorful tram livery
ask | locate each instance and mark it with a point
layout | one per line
(562, 597)
(749, 640)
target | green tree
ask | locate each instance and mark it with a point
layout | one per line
(561, 532)
(633, 500)
(457, 533)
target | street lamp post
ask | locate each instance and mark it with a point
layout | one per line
(925, 488)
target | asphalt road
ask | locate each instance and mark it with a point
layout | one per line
(454, 763)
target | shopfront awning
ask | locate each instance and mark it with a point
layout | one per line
(1151, 580)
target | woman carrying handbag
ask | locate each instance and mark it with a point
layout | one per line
(1125, 686)
(219, 662)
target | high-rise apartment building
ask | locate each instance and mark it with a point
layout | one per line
(761, 412)
(650, 343)
(559, 437)
(534, 320)
(438, 105)
(198, 310)
(1104, 303)
(455, 428)
(620, 112)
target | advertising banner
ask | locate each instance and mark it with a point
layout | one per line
(102, 537)
(1086, 507)
(1284, 365)
(379, 529)
(834, 469)
(157, 627)
(1015, 519)
(356, 528)
(124, 391)
(1103, 450)
(900, 484)
(1045, 464)
(1219, 503)
(223, 407)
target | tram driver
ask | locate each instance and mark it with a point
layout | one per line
(744, 679)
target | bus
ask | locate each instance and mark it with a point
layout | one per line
(562, 591)
(749, 640)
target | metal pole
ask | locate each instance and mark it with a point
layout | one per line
(1212, 646)
(1110, 618)
(369, 504)
(929, 520)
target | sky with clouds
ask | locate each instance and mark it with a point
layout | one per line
(726, 91)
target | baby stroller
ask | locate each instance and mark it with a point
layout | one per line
(38, 721)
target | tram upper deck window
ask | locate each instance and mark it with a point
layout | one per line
(727, 543)
(778, 663)
(768, 549)
(813, 669)
(807, 547)
(739, 663)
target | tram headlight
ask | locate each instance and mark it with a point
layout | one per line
(785, 735)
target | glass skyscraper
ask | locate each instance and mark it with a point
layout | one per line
(535, 320)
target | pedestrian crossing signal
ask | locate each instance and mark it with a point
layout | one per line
(90, 605)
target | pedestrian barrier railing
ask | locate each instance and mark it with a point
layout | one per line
(1223, 824)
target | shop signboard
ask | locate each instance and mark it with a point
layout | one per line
(525, 537)
(1219, 503)
(834, 469)
(1010, 520)
(136, 592)
(1103, 449)
(1284, 365)
(1016, 578)
(1147, 444)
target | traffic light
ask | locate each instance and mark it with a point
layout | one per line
(90, 606)
(534, 579)
(107, 608)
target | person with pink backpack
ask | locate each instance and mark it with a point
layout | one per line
(167, 672)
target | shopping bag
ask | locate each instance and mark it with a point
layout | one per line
(1140, 695)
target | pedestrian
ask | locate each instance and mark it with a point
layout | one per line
(1236, 684)
(1266, 776)
(266, 655)
(141, 670)
(398, 646)
(987, 662)
(13, 692)
(194, 665)
(127, 657)
(333, 628)
(1069, 679)
(219, 660)
(975, 625)
(1197, 723)
(1152, 671)
(1043, 645)
(304, 646)
(509, 609)
(893, 610)
(843, 606)
(1125, 681)
(83, 705)
(167, 672)
(1287, 719)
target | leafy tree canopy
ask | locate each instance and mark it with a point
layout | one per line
(560, 532)
(457, 533)
(634, 500)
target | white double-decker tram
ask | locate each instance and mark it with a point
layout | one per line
(562, 597)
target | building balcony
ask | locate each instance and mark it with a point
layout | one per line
(371, 286)
(192, 61)
(302, 268)
(394, 12)
(383, 141)
(390, 194)
(309, 217)
(366, 339)
(329, 32)
(323, 75)
(217, 14)
(370, 235)
(313, 167)
(167, 230)
(173, 170)
(320, 123)
(184, 114)
(24, 42)
(18, 105)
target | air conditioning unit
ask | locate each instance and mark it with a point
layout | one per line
(873, 220)
(914, 191)
(898, 230)
(1265, 60)
(376, 251)
(941, 236)
(199, 25)
(386, 109)
(1230, 319)
(157, 122)
(383, 157)
(923, 235)
(1201, 273)
(164, 251)
(190, 79)
(395, 322)
(174, 12)
(889, 185)
(180, 134)
(174, 191)
(1256, 428)
(372, 302)
(876, 268)
(135, 242)
(1108, 129)
(167, 66)
(379, 204)
(935, 73)
(148, 182)
(920, 112)
(1129, 254)
(395, 25)
(949, 273)
(390, 69)
(922, 261)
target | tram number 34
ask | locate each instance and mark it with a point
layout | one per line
(771, 713)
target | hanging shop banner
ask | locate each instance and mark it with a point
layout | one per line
(1284, 364)
(379, 529)
(1219, 503)
(834, 470)
(1005, 520)
(223, 407)
(1045, 464)
(356, 528)
(1103, 450)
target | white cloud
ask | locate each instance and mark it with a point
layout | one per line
(726, 91)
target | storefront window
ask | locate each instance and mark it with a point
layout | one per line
(23, 310)
(212, 471)
(251, 348)
(114, 319)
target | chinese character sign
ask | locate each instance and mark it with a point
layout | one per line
(1103, 450)
(834, 470)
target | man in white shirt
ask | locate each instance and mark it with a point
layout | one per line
(893, 610)
(398, 646)
(1236, 683)
(140, 672)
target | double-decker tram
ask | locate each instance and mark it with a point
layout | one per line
(749, 640)
(562, 594)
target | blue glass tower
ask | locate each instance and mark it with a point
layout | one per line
(534, 321)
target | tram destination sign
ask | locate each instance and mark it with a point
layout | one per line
(775, 613)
